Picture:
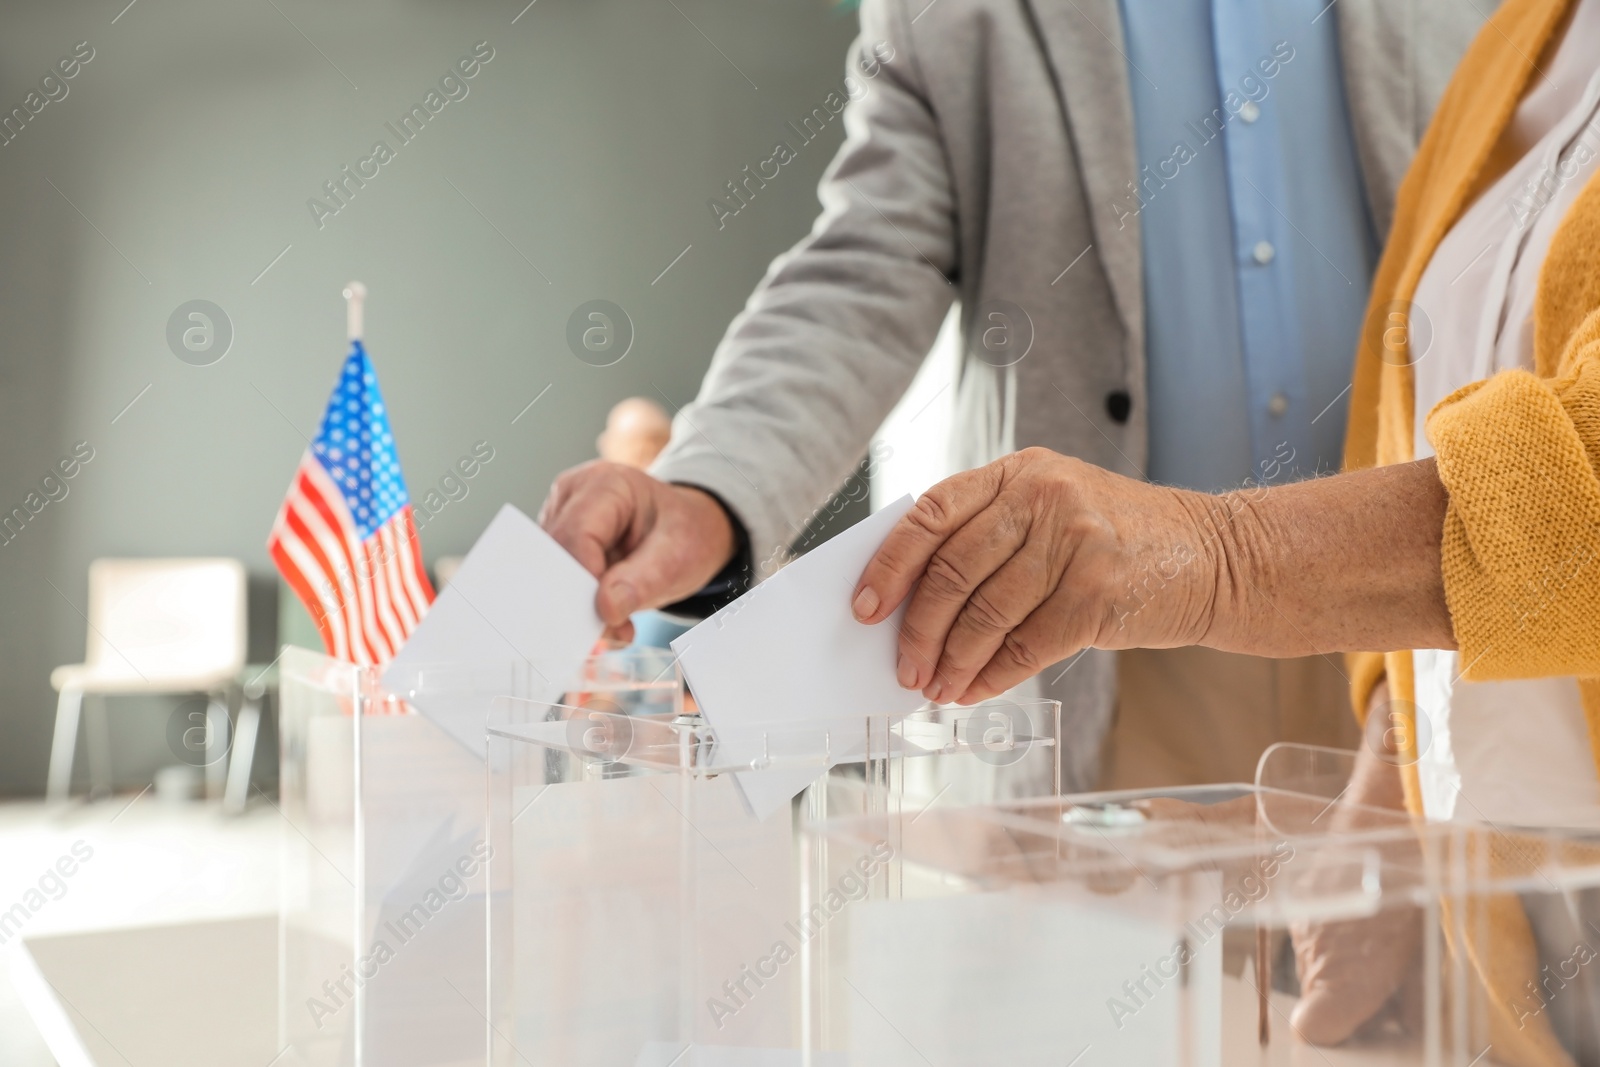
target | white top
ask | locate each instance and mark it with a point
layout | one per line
(1516, 752)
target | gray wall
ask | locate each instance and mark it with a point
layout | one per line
(188, 147)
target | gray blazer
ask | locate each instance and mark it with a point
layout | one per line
(983, 163)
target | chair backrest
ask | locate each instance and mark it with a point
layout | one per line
(168, 618)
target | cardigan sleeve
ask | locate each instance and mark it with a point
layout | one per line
(1520, 458)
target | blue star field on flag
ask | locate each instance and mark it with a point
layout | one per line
(356, 446)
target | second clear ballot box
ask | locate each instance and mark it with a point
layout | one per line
(1275, 922)
(384, 848)
(653, 905)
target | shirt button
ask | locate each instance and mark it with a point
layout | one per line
(1250, 112)
(1263, 252)
(1278, 404)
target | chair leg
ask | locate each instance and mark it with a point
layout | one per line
(217, 737)
(242, 758)
(62, 749)
(98, 733)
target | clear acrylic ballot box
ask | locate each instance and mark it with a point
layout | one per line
(384, 847)
(641, 870)
(1154, 928)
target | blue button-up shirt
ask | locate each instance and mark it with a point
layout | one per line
(1258, 247)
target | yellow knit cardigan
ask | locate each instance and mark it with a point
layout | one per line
(1518, 453)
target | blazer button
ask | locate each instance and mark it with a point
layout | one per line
(1119, 405)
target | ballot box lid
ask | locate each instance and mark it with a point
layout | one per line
(1325, 861)
(603, 729)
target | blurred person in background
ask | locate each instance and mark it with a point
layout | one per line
(637, 429)
(1159, 219)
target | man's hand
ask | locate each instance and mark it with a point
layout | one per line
(1014, 566)
(649, 542)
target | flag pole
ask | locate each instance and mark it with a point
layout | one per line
(355, 295)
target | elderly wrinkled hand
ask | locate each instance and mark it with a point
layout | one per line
(649, 542)
(1019, 564)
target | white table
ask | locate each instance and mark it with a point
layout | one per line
(192, 995)
(205, 995)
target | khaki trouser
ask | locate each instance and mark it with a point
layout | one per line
(1189, 716)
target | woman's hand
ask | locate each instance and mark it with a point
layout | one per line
(1020, 564)
(1360, 974)
(1026, 561)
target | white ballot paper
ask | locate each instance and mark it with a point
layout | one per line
(770, 669)
(520, 601)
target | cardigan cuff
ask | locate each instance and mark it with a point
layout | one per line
(1521, 548)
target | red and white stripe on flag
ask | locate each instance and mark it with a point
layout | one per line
(366, 595)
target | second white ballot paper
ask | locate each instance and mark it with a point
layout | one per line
(779, 670)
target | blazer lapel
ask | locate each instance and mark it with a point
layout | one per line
(1083, 43)
(1378, 54)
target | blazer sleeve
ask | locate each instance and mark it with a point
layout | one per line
(834, 333)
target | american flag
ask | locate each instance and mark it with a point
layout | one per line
(344, 538)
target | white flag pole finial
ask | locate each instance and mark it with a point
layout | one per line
(355, 295)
